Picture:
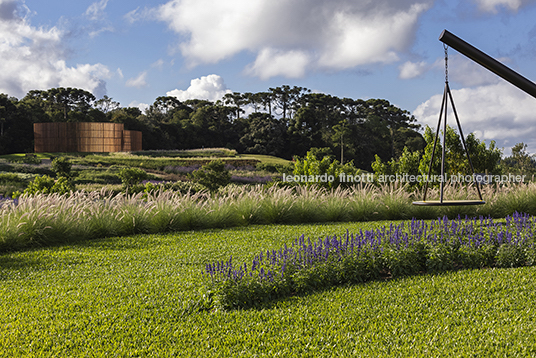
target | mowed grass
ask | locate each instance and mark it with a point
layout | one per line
(139, 296)
(268, 159)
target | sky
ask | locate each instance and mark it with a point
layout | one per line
(137, 50)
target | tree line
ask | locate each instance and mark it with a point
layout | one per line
(283, 121)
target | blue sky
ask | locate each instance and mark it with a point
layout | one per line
(134, 51)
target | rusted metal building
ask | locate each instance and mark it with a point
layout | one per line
(85, 137)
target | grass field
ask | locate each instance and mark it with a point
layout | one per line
(139, 296)
(268, 159)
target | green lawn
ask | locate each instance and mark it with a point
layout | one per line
(138, 296)
(267, 159)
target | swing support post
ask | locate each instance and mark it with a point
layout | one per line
(488, 62)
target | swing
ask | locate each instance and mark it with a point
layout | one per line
(447, 95)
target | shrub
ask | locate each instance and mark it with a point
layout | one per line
(63, 185)
(323, 171)
(212, 175)
(6, 178)
(27, 159)
(131, 177)
(40, 185)
(47, 185)
(62, 167)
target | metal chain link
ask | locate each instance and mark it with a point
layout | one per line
(446, 47)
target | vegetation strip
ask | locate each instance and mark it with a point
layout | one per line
(51, 219)
(405, 249)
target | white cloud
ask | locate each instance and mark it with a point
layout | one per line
(83, 76)
(270, 63)
(499, 112)
(34, 58)
(410, 69)
(95, 11)
(142, 106)
(138, 15)
(493, 6)
(321, 34)
(139, 81)
(158, 64)
(211, 87)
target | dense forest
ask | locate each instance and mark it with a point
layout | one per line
(284, 121)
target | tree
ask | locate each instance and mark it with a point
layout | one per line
(340, 131)
(212, 175)
(394, 120)
(285, 98)
(16, 126)
(406, 166)
(304, 131)
(264, 135)
(253, 99)
(520, 162)
(163, 109)
(484, 159)
(212, 126)
(235, 100)
(63, 104)
(424, 164)
(107, 105)
(319, 168)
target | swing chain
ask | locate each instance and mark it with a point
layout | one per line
(446, 63)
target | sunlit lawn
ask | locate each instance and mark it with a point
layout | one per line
(139, 296)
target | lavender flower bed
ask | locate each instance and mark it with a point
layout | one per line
(408, 248)
(181, 169)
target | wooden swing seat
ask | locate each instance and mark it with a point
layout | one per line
(448, 202)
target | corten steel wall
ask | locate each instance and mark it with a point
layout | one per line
(82, 137)
(131, 141)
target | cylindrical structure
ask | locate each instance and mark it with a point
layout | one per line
(488, 62)
(84, 137)
(132, 141)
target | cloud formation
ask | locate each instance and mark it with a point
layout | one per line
(291, 36)
(34, 58)
(95, 11)
(211, 88)
(499, 112)
(139, 81)
(271, 62)
(493, 6)
(410, 69)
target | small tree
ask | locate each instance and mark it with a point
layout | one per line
(62, 167)
(521, 161)
(212, 175)
(131, 177)
(319, 164)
